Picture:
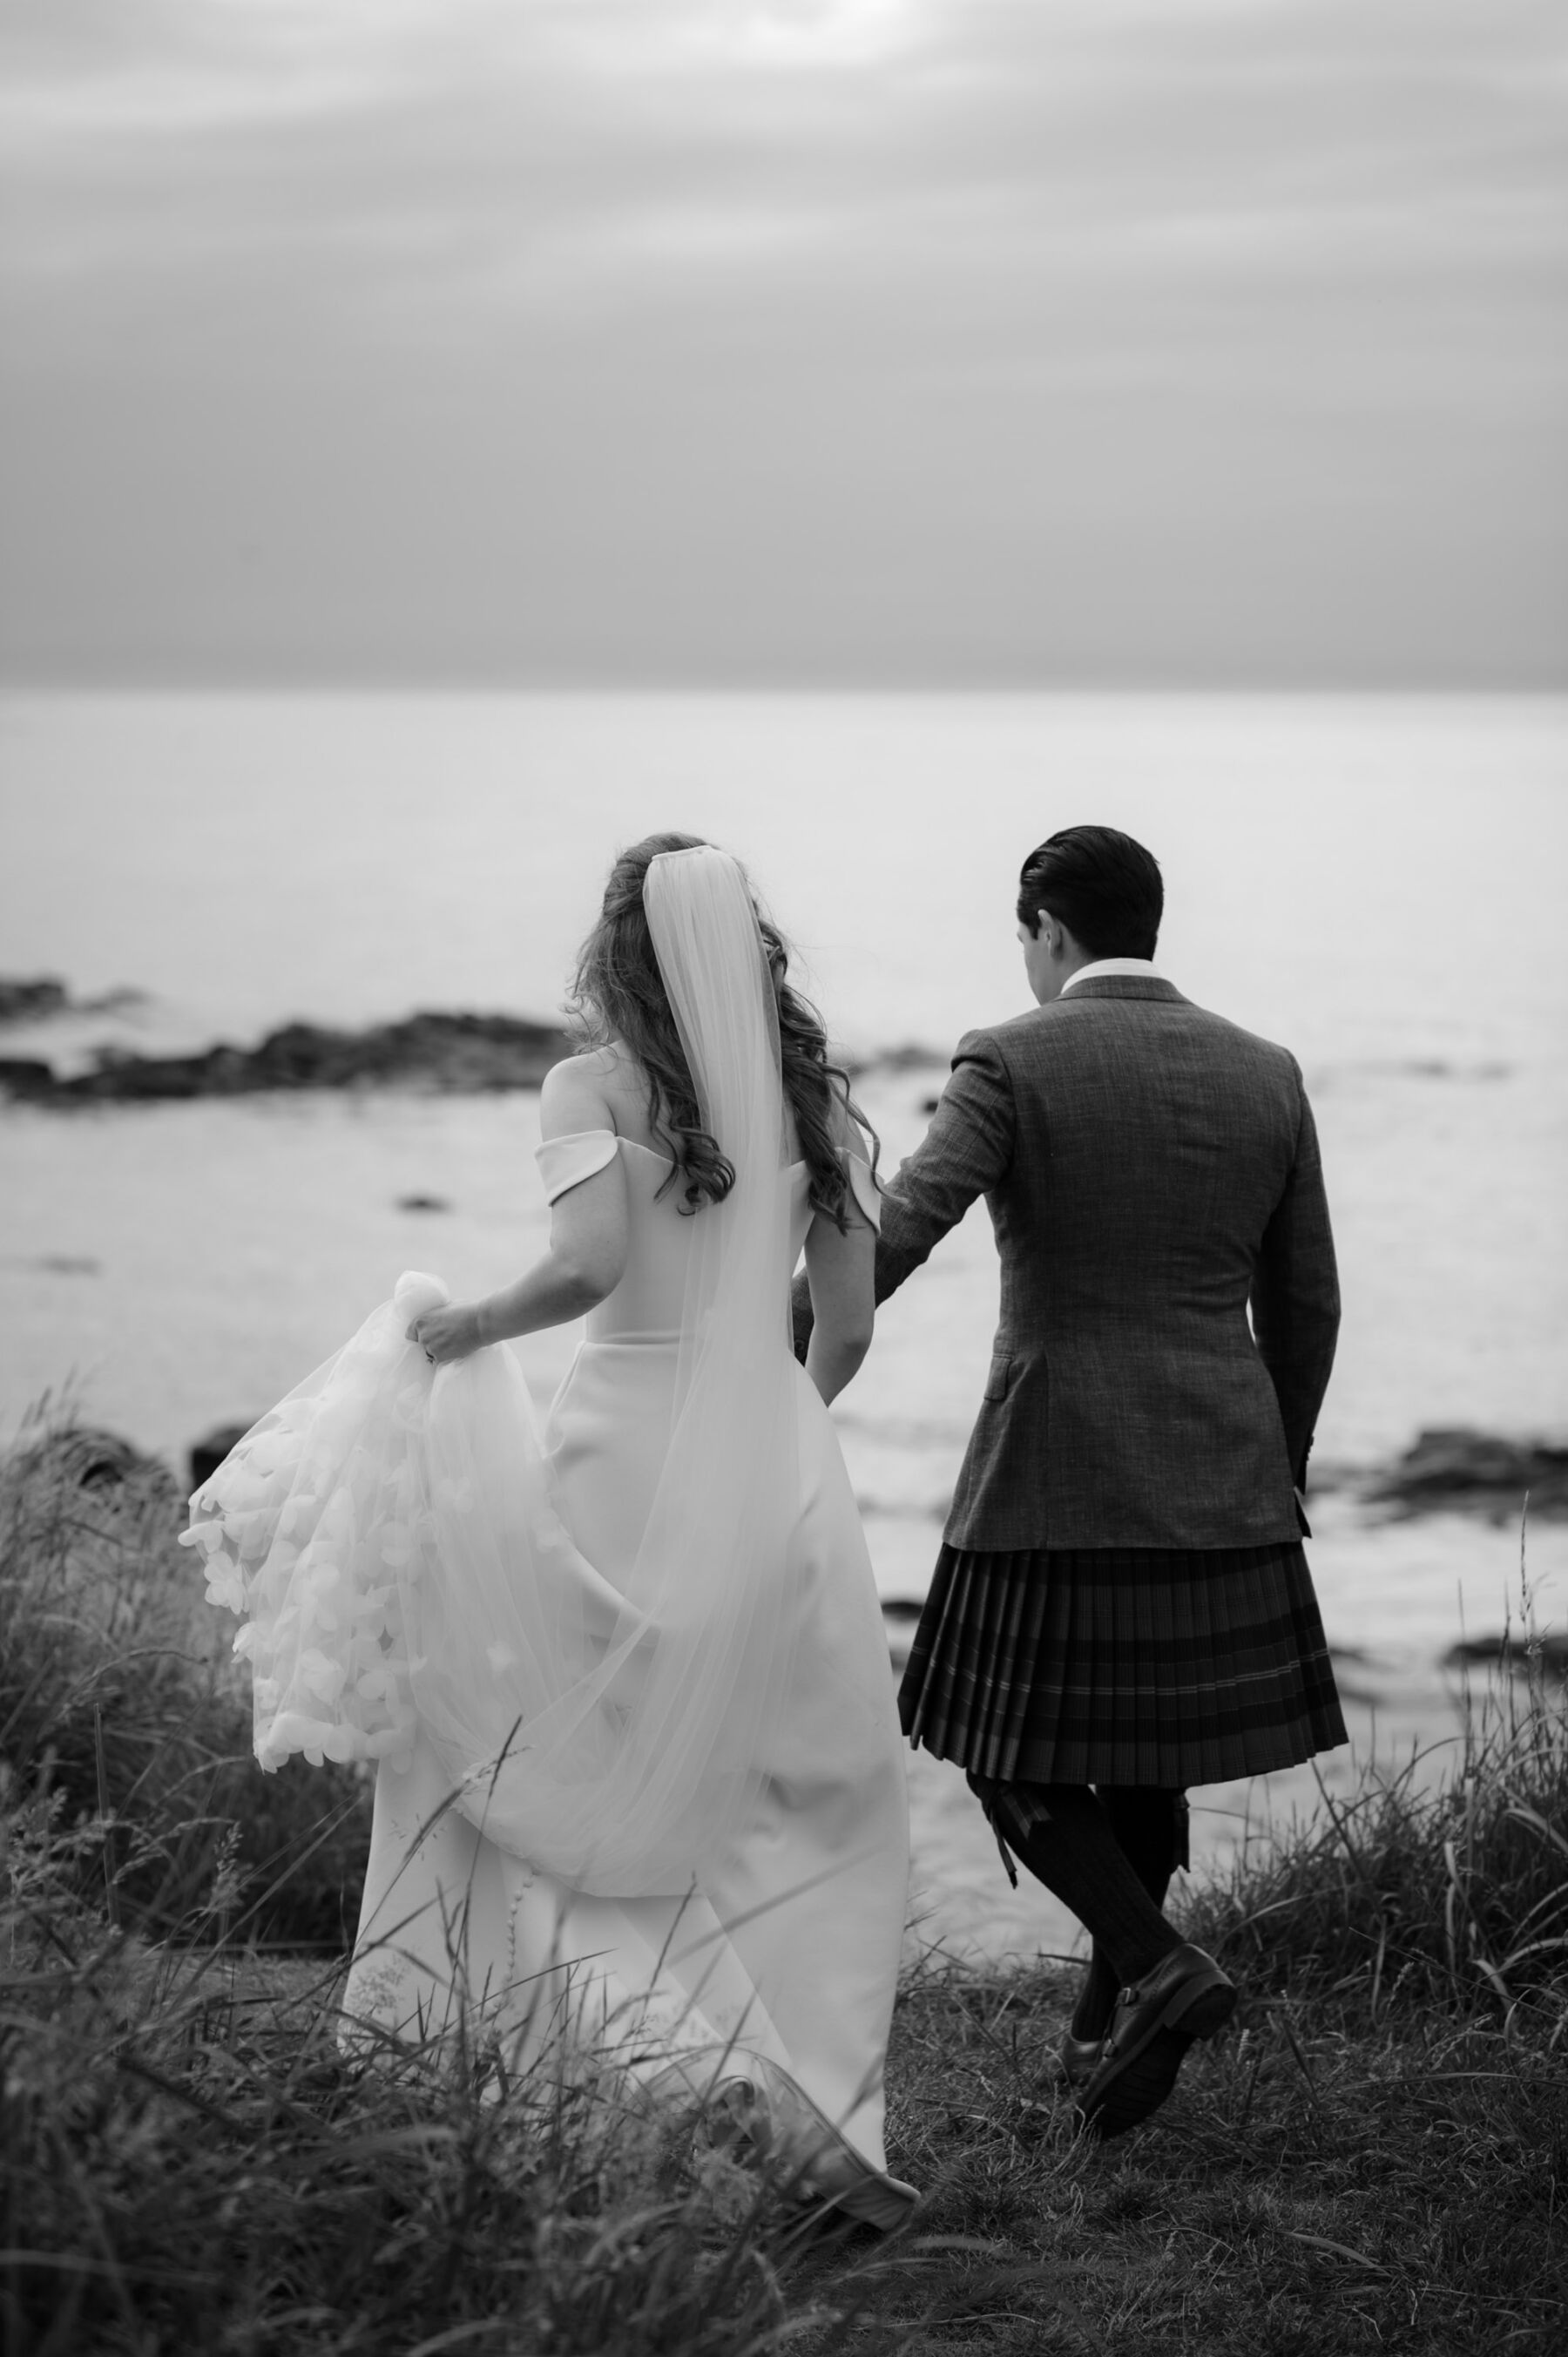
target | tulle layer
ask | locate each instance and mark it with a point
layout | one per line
(315, 1530)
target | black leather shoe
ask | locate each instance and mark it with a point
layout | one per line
(1080, 2059)
(1184, 1997)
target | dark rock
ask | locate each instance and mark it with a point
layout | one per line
(1512, 1653)
(23, 1001)
(1455, 1466)
(122, 1078)
(466, 1054)
(85, 1457)
(70, 1264)
(423, 1203)
(27, 1077)
(207, 1453)
(460, 1053)
(41, 998)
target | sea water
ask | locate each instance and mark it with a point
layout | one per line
(1375, 883)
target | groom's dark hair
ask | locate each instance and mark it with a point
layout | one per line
(1104, 888)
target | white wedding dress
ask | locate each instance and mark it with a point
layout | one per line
(640, 1779)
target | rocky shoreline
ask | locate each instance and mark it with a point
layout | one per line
(439, 1052)
(460, 1054)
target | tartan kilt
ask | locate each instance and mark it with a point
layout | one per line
(1121, 1665)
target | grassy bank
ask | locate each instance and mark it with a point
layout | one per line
(1376, 2157)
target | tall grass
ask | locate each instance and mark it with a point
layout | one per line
(188, 2160)
(1377, 2157)
(191, 2163)
(1420, 1893)
(122, 1707)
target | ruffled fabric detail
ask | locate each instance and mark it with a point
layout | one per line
(314, 1531)
(565, 1162)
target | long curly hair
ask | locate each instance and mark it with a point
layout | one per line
(618, 994)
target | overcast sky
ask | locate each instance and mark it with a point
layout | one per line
(881, 341)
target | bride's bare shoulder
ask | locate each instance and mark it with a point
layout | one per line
(574, 1096)
(598, 1090)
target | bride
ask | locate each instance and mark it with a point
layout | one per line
(638, 1779)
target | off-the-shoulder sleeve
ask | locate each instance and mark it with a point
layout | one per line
(566, 1161)
(862, 1185)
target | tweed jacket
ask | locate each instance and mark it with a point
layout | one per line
(1152, 1174)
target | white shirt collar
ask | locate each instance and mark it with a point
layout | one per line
(1097, 966)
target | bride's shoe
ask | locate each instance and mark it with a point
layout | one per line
(740, 2118)
(737, 2119)
(835, 2172)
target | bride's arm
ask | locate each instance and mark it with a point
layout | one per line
(589, 1237)
(585, 1260)
(841, 1273)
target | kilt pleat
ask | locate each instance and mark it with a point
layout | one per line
(1121, 1665)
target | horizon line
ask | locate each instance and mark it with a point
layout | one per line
(1538, 686)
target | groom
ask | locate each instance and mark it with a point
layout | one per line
(1122, 1607)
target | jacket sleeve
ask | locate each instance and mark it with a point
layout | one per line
(1295, 1294)
(965, 1152)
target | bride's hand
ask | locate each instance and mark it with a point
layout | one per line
(450, 1332)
